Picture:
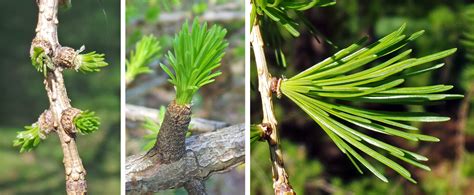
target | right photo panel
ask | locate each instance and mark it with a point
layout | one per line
(185, 102)
(361, 97)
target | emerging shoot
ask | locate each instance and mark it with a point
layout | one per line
(40, 60)
(28, 139)
(90, 62)
(197, 52)
(86, 122)
(146, 50)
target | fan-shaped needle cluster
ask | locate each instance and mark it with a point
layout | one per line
(197, 52)
(342, 77)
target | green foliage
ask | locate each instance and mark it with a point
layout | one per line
(146, 50)
(154, 129)
(468, 43)
(337, 78)
(301, 168)
(286, 14)
(149, 9)
(28, 139)
(86, 122)
(256, 133)
(91, 62)
(282, 11)
(197, 52)
(65, 5)
(366, 186)
(40, 60)
(199, 8)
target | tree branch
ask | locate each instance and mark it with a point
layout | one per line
(206, 154)
(140, 113)
(46, 38)
(281, 184)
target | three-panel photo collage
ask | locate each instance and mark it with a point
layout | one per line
(237, 97)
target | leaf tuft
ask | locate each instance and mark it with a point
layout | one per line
(146, 50)
(90, 62)
(28, 139)
(340, 77)
(197, 51)
(86, 122)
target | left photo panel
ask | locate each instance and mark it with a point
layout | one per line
(60, 107)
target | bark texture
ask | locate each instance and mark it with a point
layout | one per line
(169, 145)
(195, 187)
(205, 155)
(46, 37)
(200, 125)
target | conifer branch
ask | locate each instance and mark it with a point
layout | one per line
(281, 184)
(50, 58)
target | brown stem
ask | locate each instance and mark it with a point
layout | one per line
(281, 184)
(46, 31)
(170, 141)
(169, 145)
(135, 113)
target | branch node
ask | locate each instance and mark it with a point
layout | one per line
(275, 86)
(67, 120)
(65, 57)
(46, 123)
(284, 189)
(41, 43)
(267, 131)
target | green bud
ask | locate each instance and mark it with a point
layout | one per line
(28, 139)
(86, 122)
(90, 62)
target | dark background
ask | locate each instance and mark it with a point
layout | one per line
(315, 165)
(95, 24)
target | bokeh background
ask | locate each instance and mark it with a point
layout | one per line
(315, 165)
(95, 24)
(222, 100)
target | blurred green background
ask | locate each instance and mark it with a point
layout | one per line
(223, 100)
(315, 165)
(95, 24)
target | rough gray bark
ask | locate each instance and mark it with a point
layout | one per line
(46, 37)
(206, 154)
(139, 113)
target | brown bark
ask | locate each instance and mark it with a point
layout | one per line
(135, 113)
(206, 154)
(169, 145)
(46, 32)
